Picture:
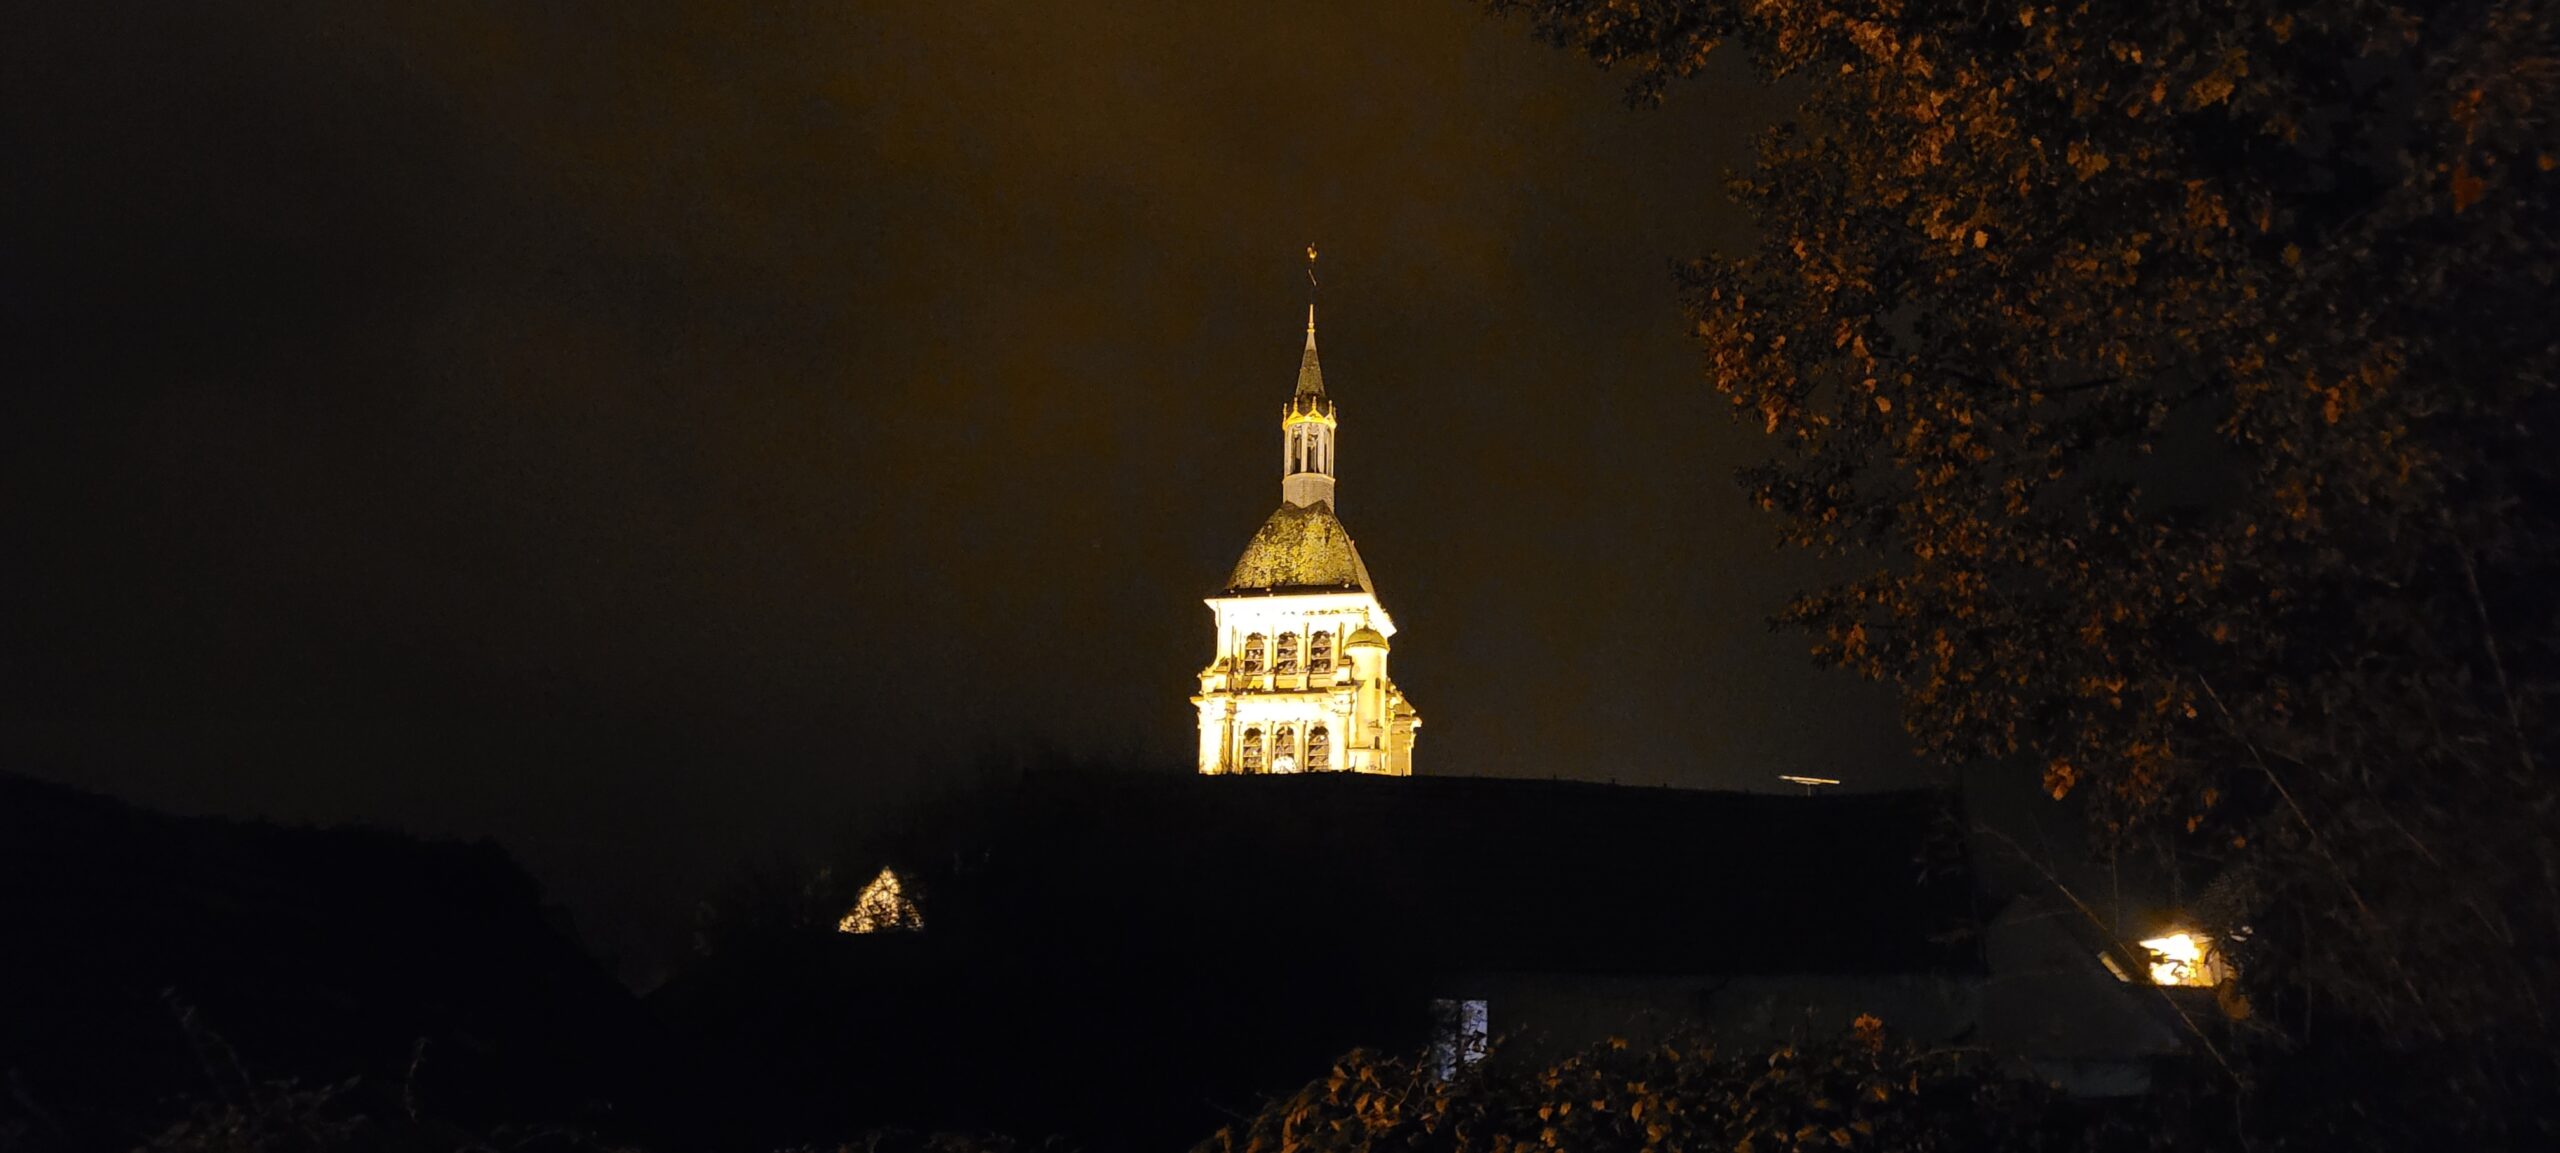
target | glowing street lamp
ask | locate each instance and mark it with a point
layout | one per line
(2183, 959)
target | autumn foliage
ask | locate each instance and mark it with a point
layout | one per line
(1863, 1091)
(2181, 375)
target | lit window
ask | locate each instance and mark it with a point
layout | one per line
(1320, 652)
(2186, 959)
(1287, 662)
(1460, 1031)
(883, 907)
(1253, 655)
(1319, 749)
(1284, 751)
(1253, 750)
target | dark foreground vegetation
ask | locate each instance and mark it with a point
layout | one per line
(212, 985)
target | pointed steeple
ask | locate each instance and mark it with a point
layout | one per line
(1306, 431)
(1310, 376)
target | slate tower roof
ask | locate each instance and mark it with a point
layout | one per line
(1310, 374)
(1302, 548)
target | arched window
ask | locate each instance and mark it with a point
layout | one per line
(1284, 751)
(1319, 750)
(1252, 760)
(1319, 656)
(1287, 662)
(1253, 655)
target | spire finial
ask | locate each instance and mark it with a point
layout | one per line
(1311, 296)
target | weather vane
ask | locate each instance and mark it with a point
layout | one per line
(1311, 292)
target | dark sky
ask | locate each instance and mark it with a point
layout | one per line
(651, 433)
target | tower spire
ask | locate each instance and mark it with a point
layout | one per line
(1307, 423)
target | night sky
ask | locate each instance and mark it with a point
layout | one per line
(652, 434)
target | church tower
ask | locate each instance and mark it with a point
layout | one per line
(1300, 681)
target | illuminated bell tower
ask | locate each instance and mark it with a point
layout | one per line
(1299, 683)
(1306, 432)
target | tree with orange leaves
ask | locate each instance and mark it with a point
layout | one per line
(2184, 376)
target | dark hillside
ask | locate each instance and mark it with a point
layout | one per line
(317, 954)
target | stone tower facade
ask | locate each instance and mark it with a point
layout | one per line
(1299, 683)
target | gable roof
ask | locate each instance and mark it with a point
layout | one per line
(1456, 874)
(1231, 935)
